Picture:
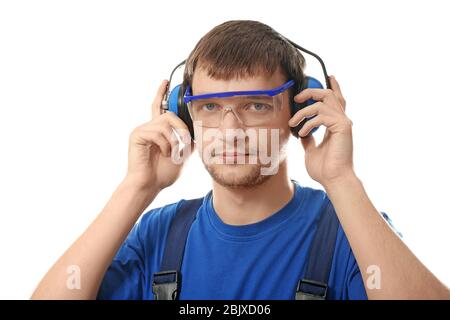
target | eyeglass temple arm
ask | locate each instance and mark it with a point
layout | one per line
(324, 69)
(164, 104)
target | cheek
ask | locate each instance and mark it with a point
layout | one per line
(282, 126)
(273, 139)
(205, 143)
(282, 121)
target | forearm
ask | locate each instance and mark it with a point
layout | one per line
(94, 250)
(373, 242)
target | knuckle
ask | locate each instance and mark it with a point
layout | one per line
(166, 127)
(343, 101)
(153, 135)
(319, 105)
(157, 133)
(171, 118)
(347, 122)
(307, 126)
(350, 122)
(136, 132)
(299, 114)
(170, 115)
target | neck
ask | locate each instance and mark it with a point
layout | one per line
(241, 206)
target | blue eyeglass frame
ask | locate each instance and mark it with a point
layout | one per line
(273, 92)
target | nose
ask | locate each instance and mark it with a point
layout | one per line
(230, 119)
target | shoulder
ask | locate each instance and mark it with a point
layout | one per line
(154, 224)
(159, 216)
(311, 194)
(312, 199)
(162, 216)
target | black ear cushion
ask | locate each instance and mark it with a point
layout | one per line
(296, 107)
(183, 112)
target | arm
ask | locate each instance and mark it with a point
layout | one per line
(372, 240)
(94, 250)
(151, 168)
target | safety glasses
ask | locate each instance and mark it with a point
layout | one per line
(251, 108)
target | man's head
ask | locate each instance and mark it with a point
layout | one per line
(241, 56)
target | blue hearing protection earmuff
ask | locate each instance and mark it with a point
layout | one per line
(173, 100)
(312, 83)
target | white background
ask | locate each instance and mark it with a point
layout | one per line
(77, 76)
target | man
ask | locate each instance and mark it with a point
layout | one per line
(253, 231)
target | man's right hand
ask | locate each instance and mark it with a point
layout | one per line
(150, 169)
(150, 162)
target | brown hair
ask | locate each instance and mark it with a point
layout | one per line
(239, 48)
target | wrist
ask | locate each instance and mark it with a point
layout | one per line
(348, 179)
(135, 185)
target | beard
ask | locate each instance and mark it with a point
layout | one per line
(243, 174)
(237, 176)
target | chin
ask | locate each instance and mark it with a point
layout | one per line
(237, 175)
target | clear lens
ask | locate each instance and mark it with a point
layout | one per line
(249, 110)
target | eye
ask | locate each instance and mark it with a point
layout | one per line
(256, 106)
(210, 107)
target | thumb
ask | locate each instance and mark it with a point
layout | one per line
(156, 105)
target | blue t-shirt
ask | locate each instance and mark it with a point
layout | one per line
(264, 260)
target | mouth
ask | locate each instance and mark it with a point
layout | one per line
(232, 155)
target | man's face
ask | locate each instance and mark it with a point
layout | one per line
(234, 154)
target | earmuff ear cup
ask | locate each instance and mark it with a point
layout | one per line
(295, 107)
(177, 106)
(183, 111)
(309, 82)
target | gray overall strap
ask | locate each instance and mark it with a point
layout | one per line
(167, 282)
(314, 285)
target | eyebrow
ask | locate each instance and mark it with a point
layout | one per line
(249, 97)
(261, 97)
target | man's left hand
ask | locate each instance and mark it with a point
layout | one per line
(331, 160)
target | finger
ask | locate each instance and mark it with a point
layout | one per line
(317, 121)
(171, 133)
(308, 143)
(315, 94)
(158, 139)
(168, 133)
(309, 111)
(170, 136)
(313, 123)
(156, 105)
(179, 126)
(337, 90)
(335, 85)
(188, 148)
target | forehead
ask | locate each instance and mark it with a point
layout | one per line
(202, 83)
